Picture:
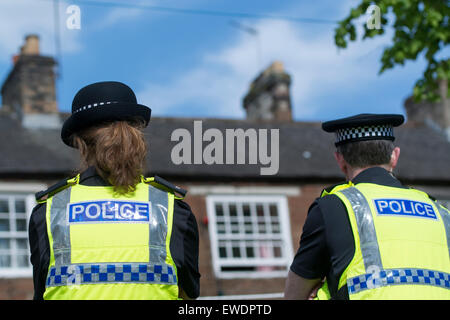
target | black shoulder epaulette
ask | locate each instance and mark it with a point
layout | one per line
(52, 190)
(170, 186)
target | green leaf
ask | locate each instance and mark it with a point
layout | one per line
(420, 27)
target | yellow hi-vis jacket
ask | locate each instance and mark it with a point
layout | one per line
(402, 241)
(105, 246)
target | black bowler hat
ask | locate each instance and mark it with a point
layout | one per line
(364, 127)
(102, 102)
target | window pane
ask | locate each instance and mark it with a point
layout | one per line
(261, 227)
(222, 249)
(4, 224)
(236, 250)
(21, 225)
(222, 252)
(220, 227)
(265, 251)
(273, 210)
(4, 208)
(250, 252)
(276, 228)
(234, 227)
(5, 261)
(22, 243)
(219, 210)
(4, 244)
(246, 210)
(277, 252)
(19, 205)
(22, 261)
(260, 210)
(233, 211)
(248, 226)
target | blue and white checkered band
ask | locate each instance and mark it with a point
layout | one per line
(364, 133)
(79, 274)
(390, 277)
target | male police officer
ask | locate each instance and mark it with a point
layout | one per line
(372, 237)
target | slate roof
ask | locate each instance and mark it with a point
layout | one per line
(306, 153)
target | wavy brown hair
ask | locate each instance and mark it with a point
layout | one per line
(117, 150)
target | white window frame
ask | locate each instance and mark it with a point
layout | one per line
(9, 190)
(284, 236)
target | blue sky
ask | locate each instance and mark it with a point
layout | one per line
(184, 65)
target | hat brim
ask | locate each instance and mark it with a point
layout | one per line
(363, 120)
(100, 114)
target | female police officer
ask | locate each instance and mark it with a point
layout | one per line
(110, 233)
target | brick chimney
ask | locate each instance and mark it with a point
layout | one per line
(269, 97)
(29, 90)
(434, 114)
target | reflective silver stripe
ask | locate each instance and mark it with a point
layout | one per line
(94, 273)
(158, 224)
(403, 276)
(445, 214)
(366, 229)
(60, 227)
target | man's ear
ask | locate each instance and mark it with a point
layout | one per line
(394, 157)
(341, 162)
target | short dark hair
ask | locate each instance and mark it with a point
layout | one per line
(363, 154)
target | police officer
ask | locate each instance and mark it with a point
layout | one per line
(109, 232)
(371, 237)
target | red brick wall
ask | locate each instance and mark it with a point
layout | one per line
(16, 289)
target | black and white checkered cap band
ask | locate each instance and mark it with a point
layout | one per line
(364, 133)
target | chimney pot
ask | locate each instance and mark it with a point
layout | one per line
(31, 46)
(269, 95)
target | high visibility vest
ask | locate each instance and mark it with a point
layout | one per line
(401, 249)
(402, 241)
(105, 246)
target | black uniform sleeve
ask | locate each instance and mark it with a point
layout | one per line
(312, 260)
(40, 249)
(184, 246)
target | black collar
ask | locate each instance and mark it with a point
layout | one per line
(90, 177)
(377, 175)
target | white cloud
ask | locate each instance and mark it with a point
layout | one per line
(21, 17)
(121, 14)
(217, 85)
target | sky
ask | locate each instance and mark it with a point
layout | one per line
(199, 65)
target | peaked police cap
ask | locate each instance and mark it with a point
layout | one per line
(363, 127)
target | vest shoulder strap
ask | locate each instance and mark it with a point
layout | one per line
(335, 188)
(42, 196)
(161, 183)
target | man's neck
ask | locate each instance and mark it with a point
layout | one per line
(353, 172)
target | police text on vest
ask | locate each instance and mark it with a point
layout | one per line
(404, 207)
(109, 211)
